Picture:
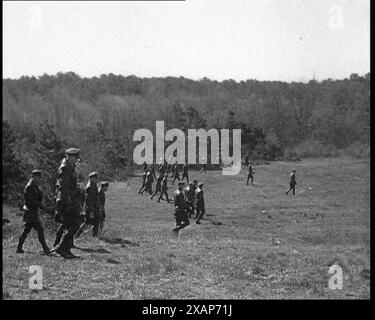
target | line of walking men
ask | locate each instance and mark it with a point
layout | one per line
(68, 208)
(186, 200)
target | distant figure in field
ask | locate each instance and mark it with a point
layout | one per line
(162, 169)
(143, 182)
(148, 183)
(92, 206)
(176, 175)
(164, 188)
(153, 171)
(33, 201)
(203, 168)
(181, 215)
(250, 175)
(292, 183)
(159, 180)
(199, 202)
(185, 173)
(190, 197)
(246, 162)
(173, 169)
(102, 190)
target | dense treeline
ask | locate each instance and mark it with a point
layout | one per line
(100, 115)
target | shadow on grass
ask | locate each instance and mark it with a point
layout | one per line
(118, 240)
(90, 250)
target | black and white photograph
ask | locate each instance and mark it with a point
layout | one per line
(190, 152)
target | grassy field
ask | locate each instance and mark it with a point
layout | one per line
(233, 254)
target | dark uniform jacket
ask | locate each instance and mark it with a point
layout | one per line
(91, 200)
(199, 200)
(33, 201)
(179, 200)
(158, 182)
(149, 178)
(293, 182)
(66, 183)
(164, 186)
(190, 194)
(251, 170)
(101, 197)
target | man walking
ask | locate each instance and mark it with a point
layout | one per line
(148, 183)
(250, 175)
(102, 190)
(91, 206)
(159, 180)
(67, 206)
(33, 201)
(181, 216)
(199, 203)
(185, 173)
(164, 188)
(190, 197)
(292, 183)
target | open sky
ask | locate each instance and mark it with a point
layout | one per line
(287, 40)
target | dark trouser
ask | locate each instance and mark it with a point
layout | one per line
(200, 213)
(158, 189)
(70, 226)
(190, 209)
(39, 229)
(147, 188)
(250, 176)
(182, 219)
(59, 235)
(141, 188)
(163, 192)
(293, 188)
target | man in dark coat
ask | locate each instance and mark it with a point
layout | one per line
(181, 215)
(199, 203)
(91, 206)
(190, 197)
(102, 190)
(292, 183)
(250, 175)
(67, 206)
(164, 188)
(33, 201)
(159, 180)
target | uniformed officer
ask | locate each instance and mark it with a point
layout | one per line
(250, 175)
(91, 206)
(148, 183)
(199, 203)
(164, 188)
(190, 197)
(181, 215)
(203, 168)
(185, 173)
(33, 200)
(159, 180)
(67, 207)
(292, 183)
(162, 169)
(246, 162)
(102, 190)
(176, 175)
(143, 182)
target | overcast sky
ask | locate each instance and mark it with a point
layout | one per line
(288, 40)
